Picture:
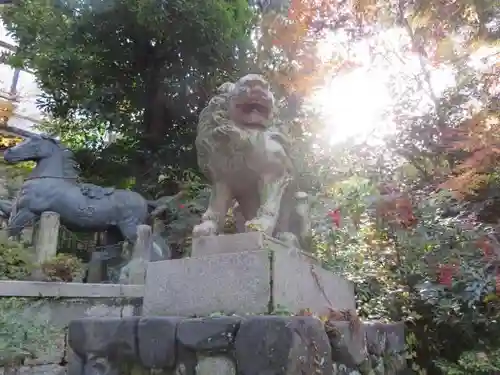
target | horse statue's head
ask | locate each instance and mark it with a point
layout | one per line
(41, 147)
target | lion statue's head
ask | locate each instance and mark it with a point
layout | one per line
(246, 104)
(251, 102)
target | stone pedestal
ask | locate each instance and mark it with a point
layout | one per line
(246, 273)
(239, 276)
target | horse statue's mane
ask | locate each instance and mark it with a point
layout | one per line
(71, 168)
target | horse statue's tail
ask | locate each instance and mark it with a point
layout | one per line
(157, 207)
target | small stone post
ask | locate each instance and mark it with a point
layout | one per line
(135, 271)
(158, 226)
(48, 235)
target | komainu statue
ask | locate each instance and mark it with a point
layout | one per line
(247, 160)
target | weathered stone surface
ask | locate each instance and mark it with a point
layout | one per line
(376, 337)
(282, 345)
(348, 347)
(18, 288)
(39, 370)
(74, 363)
(257, 344)
(113, 338)
(208, 334)
(382, 337)
(396, 342)
(240, 282)
(215, 366)
(156, 338)
(300, 283)
(59, 312)
(230, 243)
(229, 283)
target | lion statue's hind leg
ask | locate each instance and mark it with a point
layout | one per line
(271, 190)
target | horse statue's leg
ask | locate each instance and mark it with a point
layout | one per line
(19, 221)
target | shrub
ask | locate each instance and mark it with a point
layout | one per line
(63, 267)
(16, 260)
(22, 335)
(420, 260)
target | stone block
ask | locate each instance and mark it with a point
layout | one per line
(238, 282)
(156, 340)
(282, 345)
(106, 337)
(18, 288)
(348, 346)
(233, 243)
(208, 334)
(244, 282)
(215, 365)
(300, 282)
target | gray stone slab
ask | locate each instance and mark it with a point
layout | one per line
(241, 281)
(231, 243)
(299, 282)
(230, 283)
(39, 370)
(15, 288)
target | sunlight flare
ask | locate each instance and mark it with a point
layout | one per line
(356, 104)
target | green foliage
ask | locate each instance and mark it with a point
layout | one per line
(473, 363)
(16, 261)
(139, 69)
(13, 176)
(396, 267)
(23, 333)
(63, 267)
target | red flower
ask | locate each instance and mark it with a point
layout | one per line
(487, 248)
(335, 217)
(181, 206)
(446, 273)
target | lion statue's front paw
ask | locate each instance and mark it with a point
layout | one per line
(207, 228)
(262, 224)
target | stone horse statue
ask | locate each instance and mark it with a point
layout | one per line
(53, 186)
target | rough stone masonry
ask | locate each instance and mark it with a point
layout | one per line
(232, 345)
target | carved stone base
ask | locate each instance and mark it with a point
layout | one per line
(258, 277)
(230, 345)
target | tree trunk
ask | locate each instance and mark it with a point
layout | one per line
(155, 124)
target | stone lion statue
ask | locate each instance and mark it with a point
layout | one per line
(247, 161)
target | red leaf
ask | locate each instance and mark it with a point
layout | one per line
(335, 216)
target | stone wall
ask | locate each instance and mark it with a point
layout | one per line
(230, 345)
(60, 303)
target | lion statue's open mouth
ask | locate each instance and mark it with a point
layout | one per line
(253, 113)
(252, 103)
